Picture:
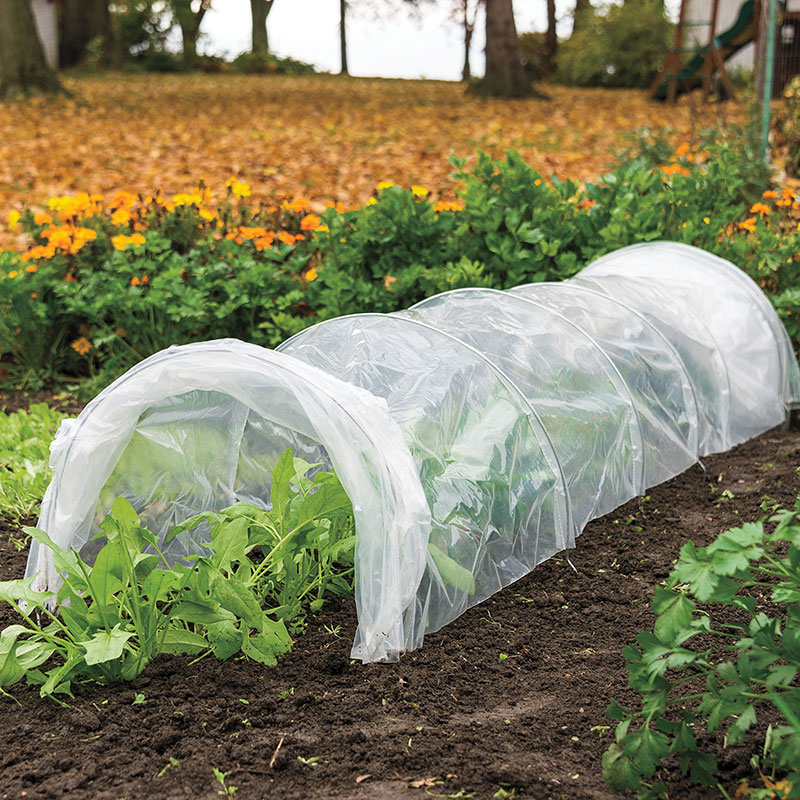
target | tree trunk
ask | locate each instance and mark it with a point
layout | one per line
(551, 38)
(581, 7)
(505, 76)
(79, 23)
(23, 70)
(343, 35)
(190, 22)
(259, 11)
(469, 28)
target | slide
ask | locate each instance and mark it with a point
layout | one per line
(728, 43)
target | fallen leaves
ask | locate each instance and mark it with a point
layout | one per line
(319, 137)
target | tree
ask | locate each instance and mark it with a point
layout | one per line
(23, 69)
(189, 16)
(581, 7)
(551, 38)
(343, 35)
(81, 22)
(505, 76)
(466, 11)
(259, 11)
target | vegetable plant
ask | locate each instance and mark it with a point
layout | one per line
(262, 569)
(719, 665)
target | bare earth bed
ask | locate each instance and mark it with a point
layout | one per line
(452, 717)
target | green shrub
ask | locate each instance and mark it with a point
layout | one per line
(106, 283)
(622, 45)
(708, 668)
(270, 64)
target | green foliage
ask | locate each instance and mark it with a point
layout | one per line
(621, 45)
(25, 438)
(270, 64)
(744, 666)
(787, 127)
(532, 48)
(261, 572)
(151, 272)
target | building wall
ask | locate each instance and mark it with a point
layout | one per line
(44, 15)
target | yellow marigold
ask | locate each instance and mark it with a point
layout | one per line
(13, 220)
(706, 220)
(122, 241)
(372, 201)
(759, 208)
(187, 199)
(207, 215)
(310, 222)
(311, 275)
(419, 191)
(286, 238)
(298, 206)
(770, 194)
(322, 229)
(42, 218)
(122, 216)
(81, 346)
(13, 273)
(385, 185)
(748, 225)
(238, 189)
(537, 182)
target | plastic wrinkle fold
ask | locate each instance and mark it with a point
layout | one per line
(476, 433)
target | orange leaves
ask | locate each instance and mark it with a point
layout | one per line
(300, 136)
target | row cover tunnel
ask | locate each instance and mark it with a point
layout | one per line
(480, 428)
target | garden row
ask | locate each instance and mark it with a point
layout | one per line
(108, 281)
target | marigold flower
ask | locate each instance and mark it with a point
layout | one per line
(145, 279)
(187, 199)
(706, 220)
(13, 220)
(82, 346)
(286, 238)
(770, 194)
(322, 229)
(587, 203)
(13, 273)
(310, 222)
(31, 268)
(122, 241)
(251, 233)
(674, 169)
(42, 218)
(419, 191)
(537, 182)
(265, 242)
(388, 280)
(122, 216)
(372, 201)
(311, 275)
(682, 150)
(135, 281)
(70, 278)
(748, 225)
(759, 208)
(237, 189)
(298, 206)
(122, 199)
(446, 205)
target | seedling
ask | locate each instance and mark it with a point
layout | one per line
(312, 761)
(173, 762)
(139, 699)
(225, 791)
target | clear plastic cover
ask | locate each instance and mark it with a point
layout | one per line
(493, 482)
(475, 434)
(581, 398)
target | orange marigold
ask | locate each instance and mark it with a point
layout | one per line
(82, 346)
(748, 225)
(286, 238)
(310, 222)
(759, 208)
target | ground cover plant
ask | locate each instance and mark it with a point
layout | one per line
(262, 570)
(25, 437)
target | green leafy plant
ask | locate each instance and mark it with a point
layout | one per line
(25, 438)
(744, 666)
(261, 572)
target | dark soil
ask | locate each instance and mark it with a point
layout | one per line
(452, 717)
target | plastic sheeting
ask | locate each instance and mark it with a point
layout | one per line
(476, 433)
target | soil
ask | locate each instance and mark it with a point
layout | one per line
(511, 695)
